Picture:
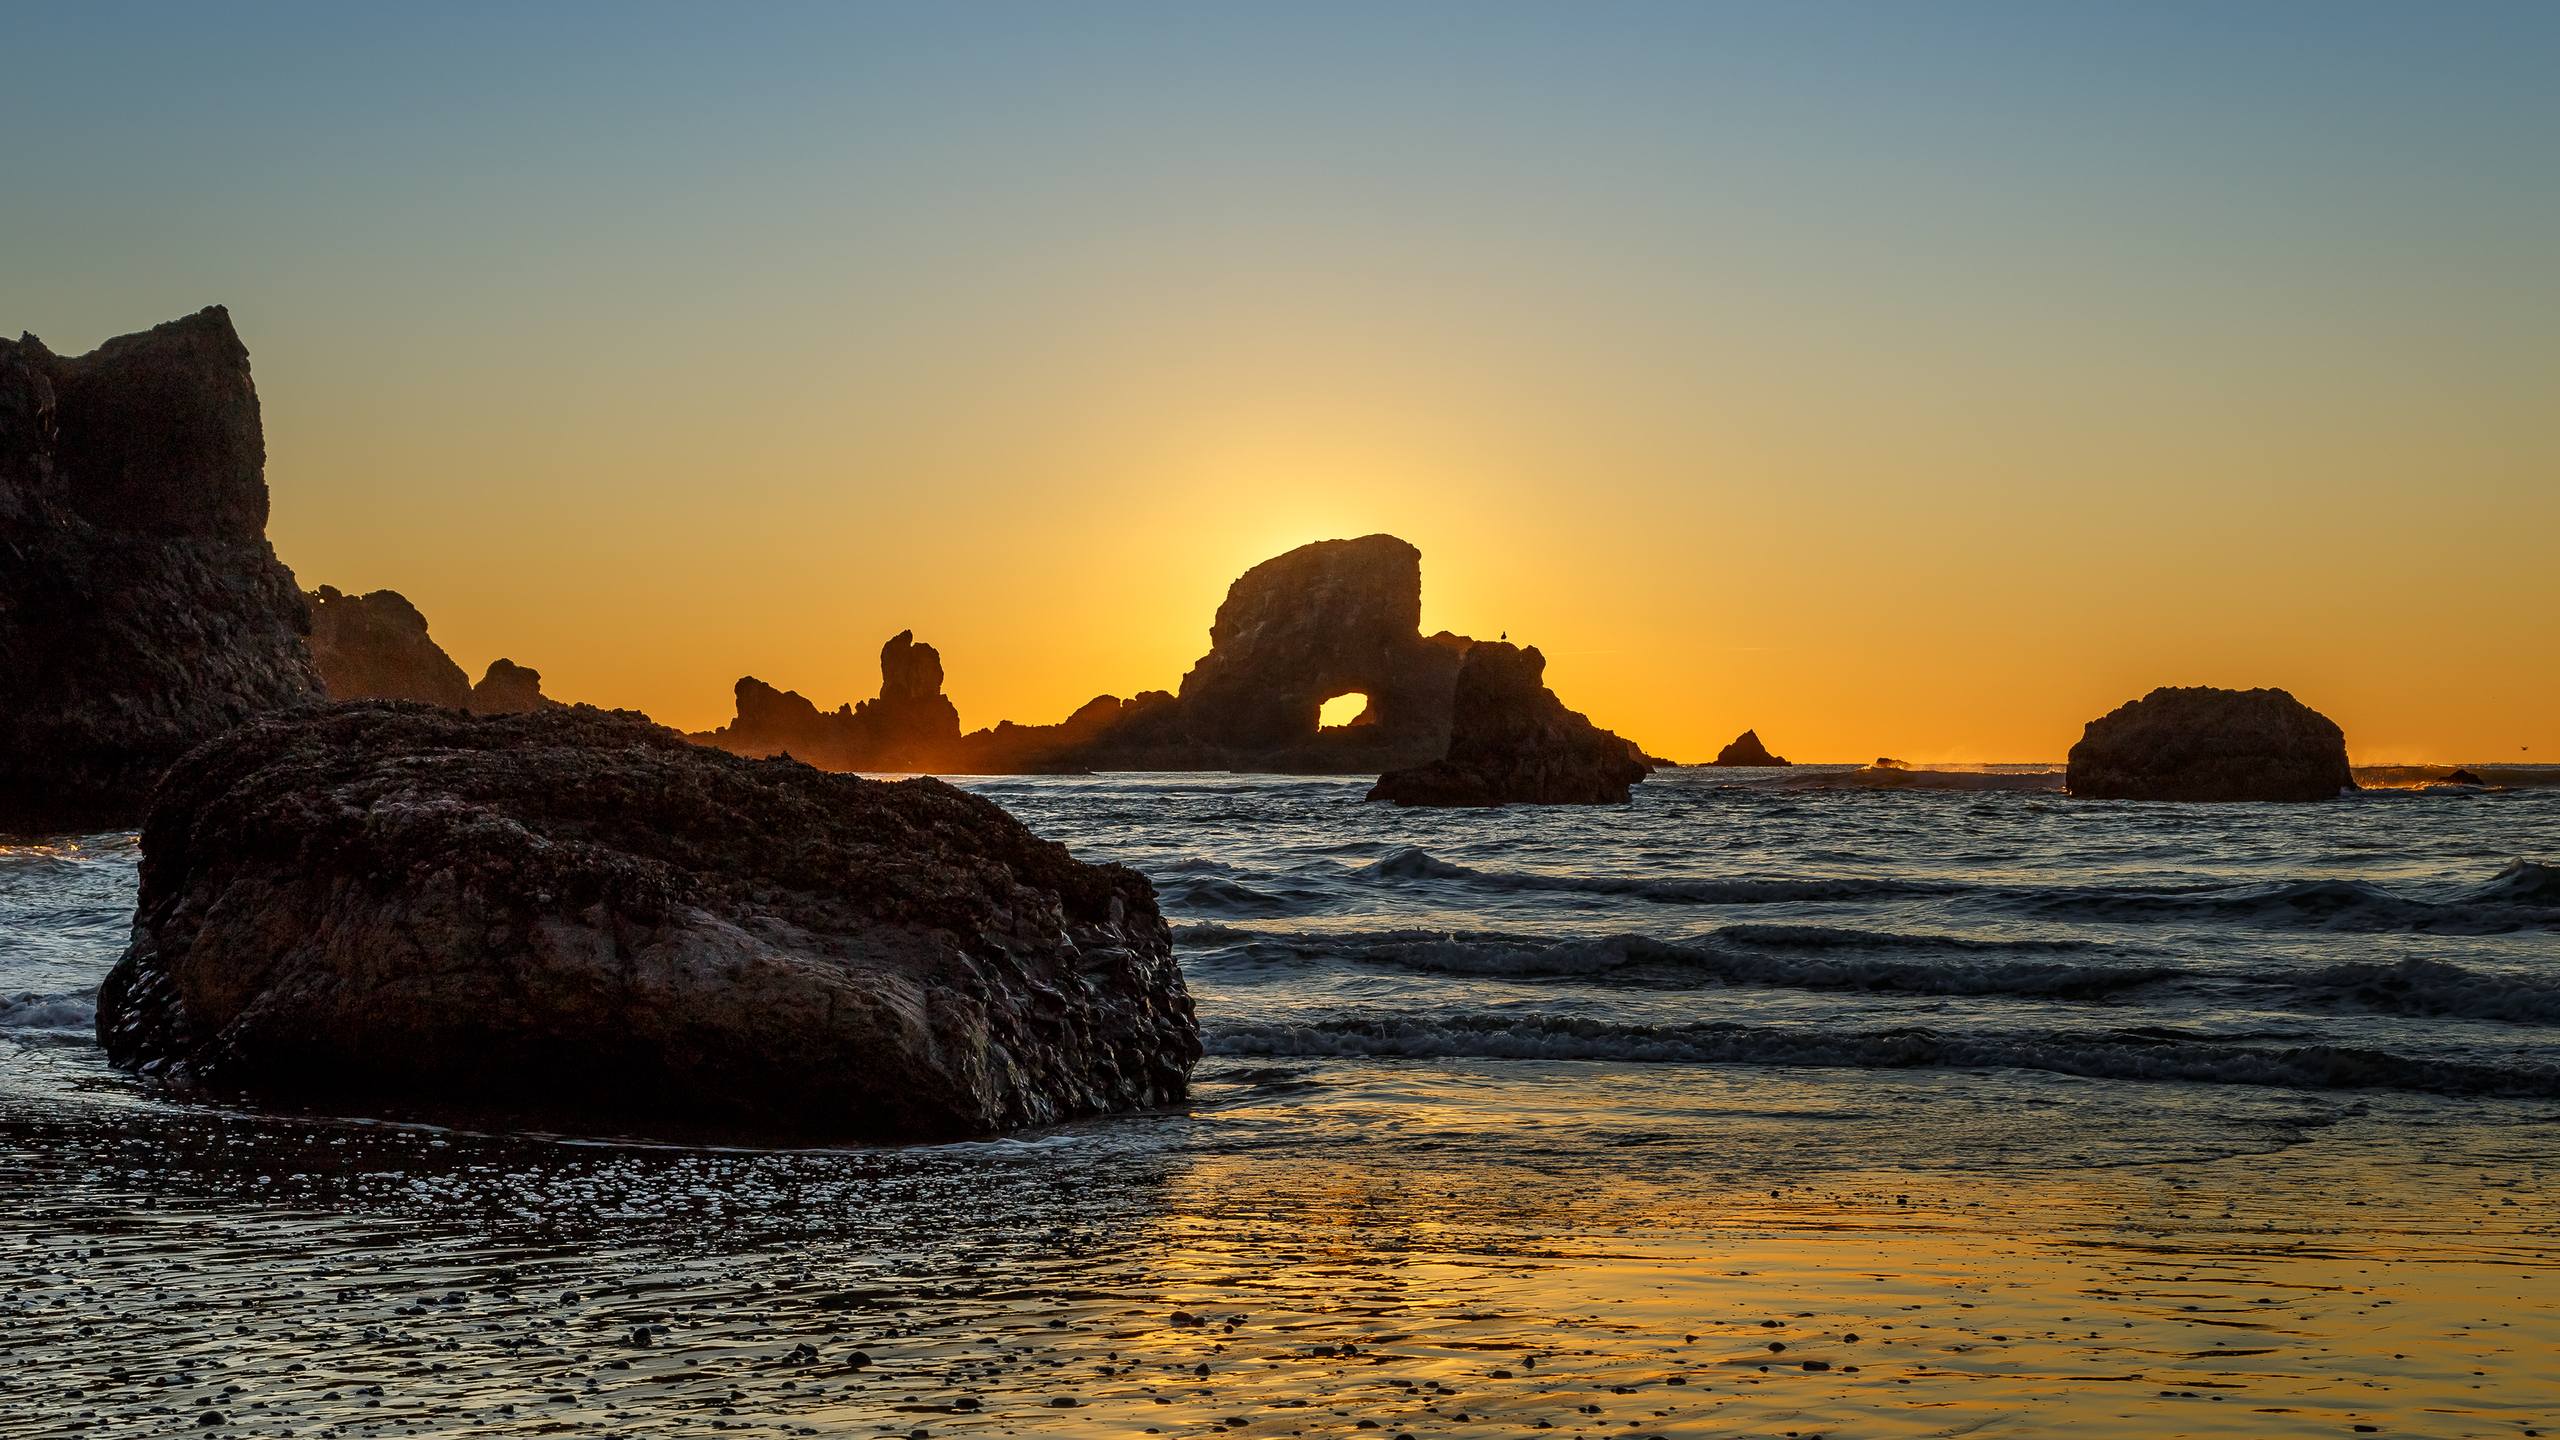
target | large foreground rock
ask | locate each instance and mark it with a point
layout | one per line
(577, 916)
(2201, 743)
(1746, 749)
(1512, 742)
(141, 607)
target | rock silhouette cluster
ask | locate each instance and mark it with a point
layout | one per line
(1332, 618)
(2202, 743)
(910, 726)
(142, 610)
(1746, 749)
(577, 916)
(376, 647)
(1512, 742)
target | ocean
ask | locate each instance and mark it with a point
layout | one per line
(2165, 1118)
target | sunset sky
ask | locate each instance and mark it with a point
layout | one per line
(1909, 379)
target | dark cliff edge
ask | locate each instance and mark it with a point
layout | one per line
(142, 610)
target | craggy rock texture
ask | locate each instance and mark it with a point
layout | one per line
(1746, 749)
(2201, 743)
(376, 647)
(1512, 742)
(576, 915)
(507, 688)
(141, 608)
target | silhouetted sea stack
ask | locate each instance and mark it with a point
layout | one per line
(1512, 742)
(141, 608)
(577, 916)
(1336, 617)
(911, 725)
(1746, 749)
(2202, 743)
(376, 647)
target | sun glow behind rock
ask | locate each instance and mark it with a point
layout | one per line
(1762, 371)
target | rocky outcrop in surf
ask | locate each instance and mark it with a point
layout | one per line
(142, 610)
(576, 916)
(375, 646)
(1746, 749)
(2202, 743)
(1334, 618)
(1337, 617)
(1512, 742)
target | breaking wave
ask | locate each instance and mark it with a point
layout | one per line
(2523, 896)
(2434, 988)
(1413, 863)
(1792, 956)
(2113, 1055)
(76, 1014)
(1821, 957)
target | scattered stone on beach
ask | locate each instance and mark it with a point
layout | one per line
(575, 914)
(1746, 749)
(1513, 742)
(2202, 743)
(141, 608)
(375, 646)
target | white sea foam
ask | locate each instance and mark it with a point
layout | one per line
(70, 1014)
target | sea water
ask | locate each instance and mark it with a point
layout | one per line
(1541, 1108)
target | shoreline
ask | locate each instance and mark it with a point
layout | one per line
(339, 1279)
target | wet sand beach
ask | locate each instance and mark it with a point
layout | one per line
(332, 1279)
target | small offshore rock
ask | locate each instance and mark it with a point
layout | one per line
(2204, 744)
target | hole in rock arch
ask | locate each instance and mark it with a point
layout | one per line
(1342, 710)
